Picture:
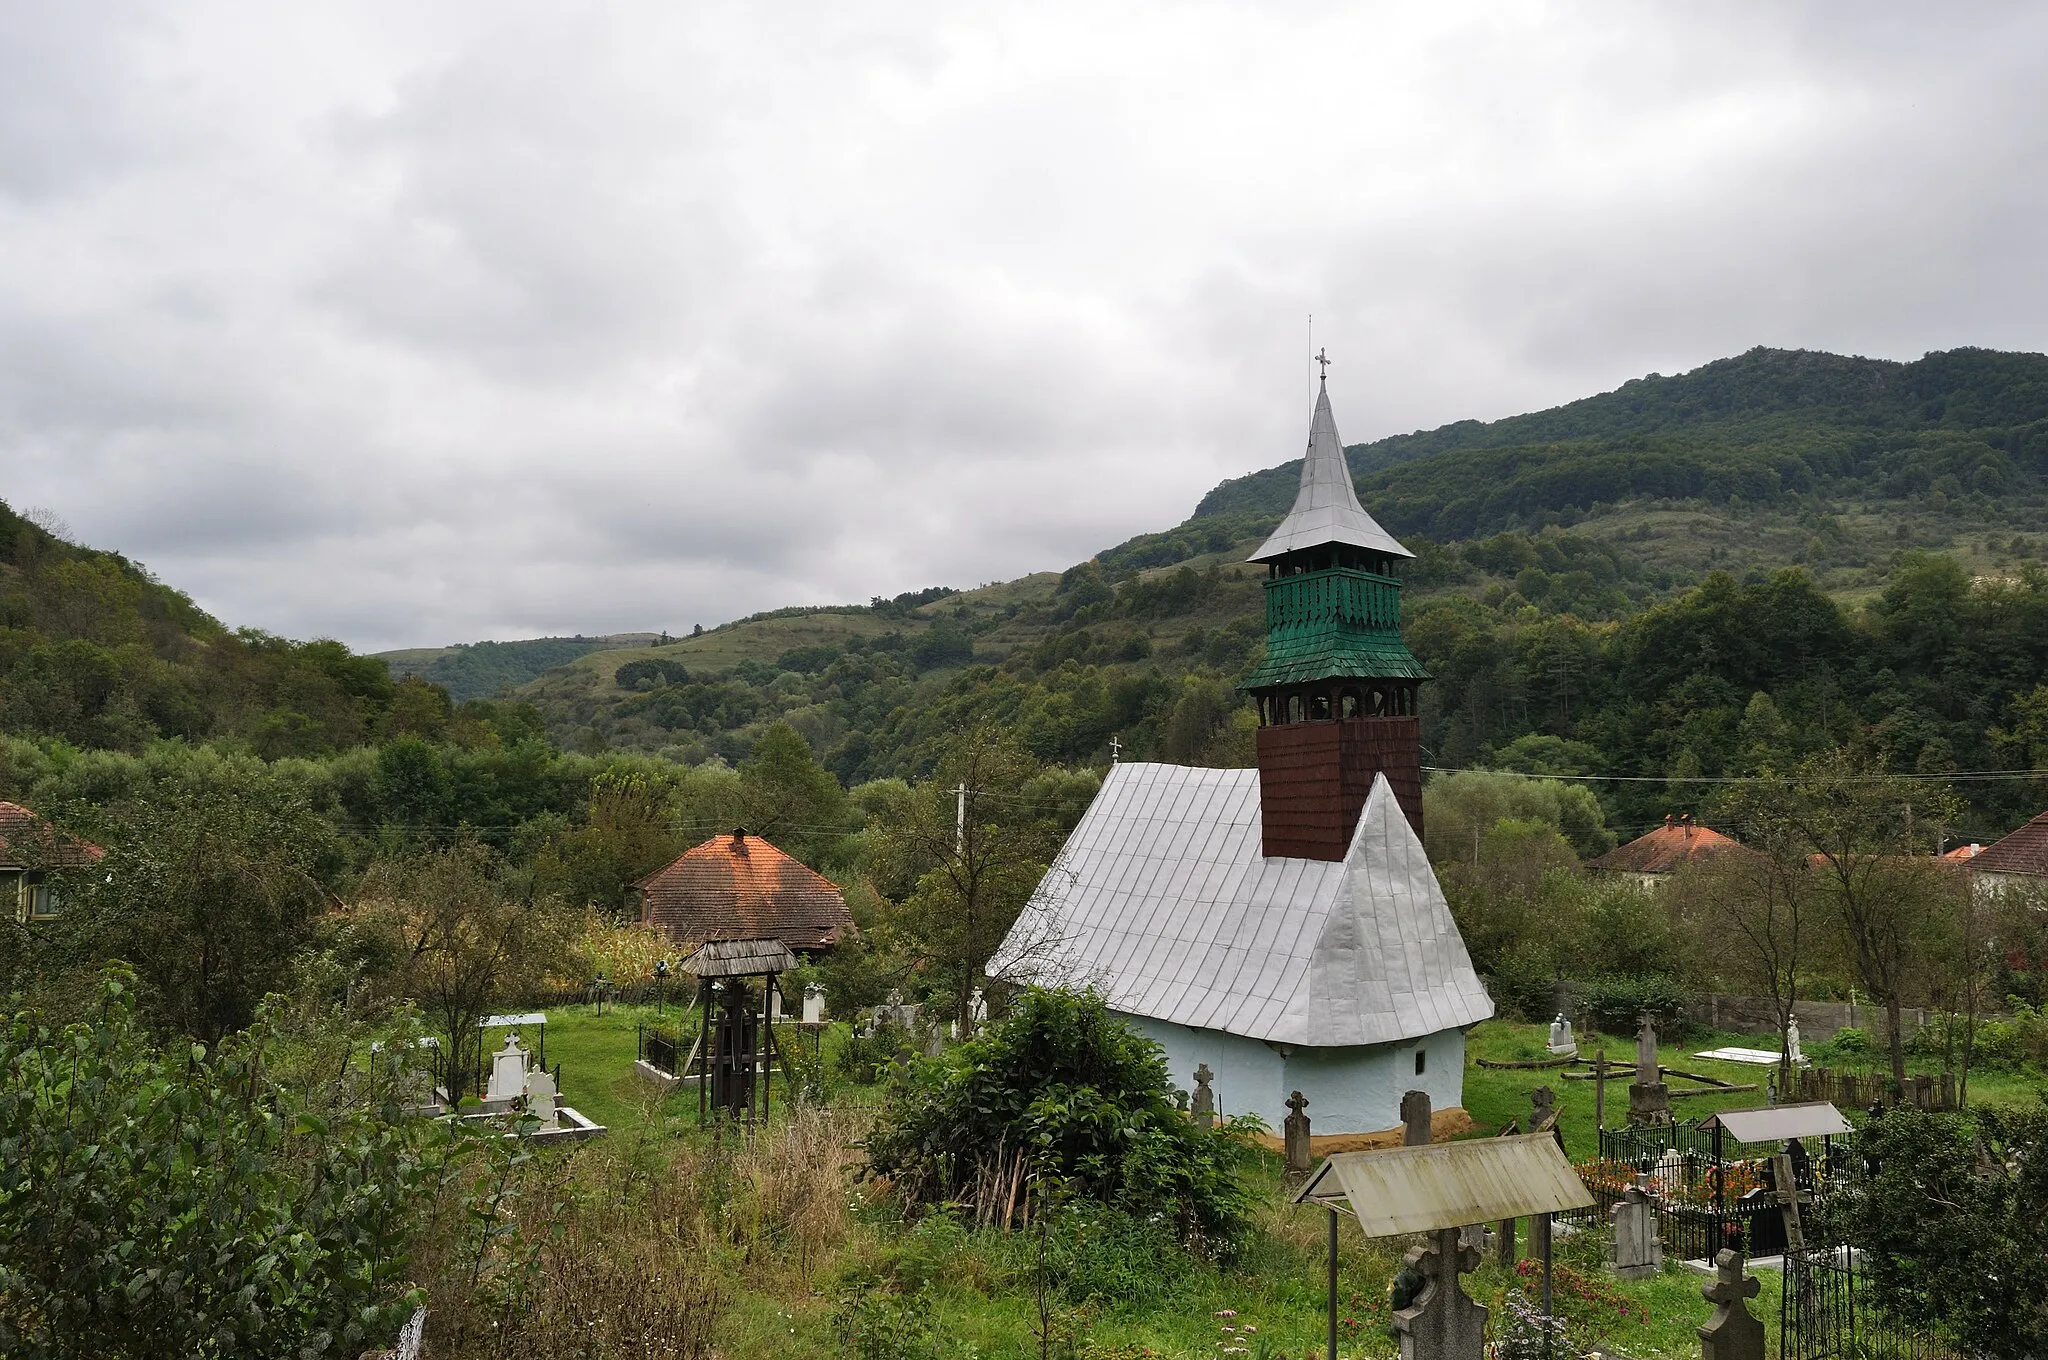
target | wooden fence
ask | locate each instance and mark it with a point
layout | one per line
(1861, 1090)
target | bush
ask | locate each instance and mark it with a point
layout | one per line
(1615, 1005)
(863, 1058)
(1060, 1092)
(200, 1218)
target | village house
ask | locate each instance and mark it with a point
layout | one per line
(1280, 929)
(739, 887)
(34, 859)
(2018, 861)
(1652, 859)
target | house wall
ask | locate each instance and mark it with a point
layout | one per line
(1349, 1090)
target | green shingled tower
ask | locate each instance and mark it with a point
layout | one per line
(1337, 689)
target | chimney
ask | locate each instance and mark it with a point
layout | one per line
(1314, 778)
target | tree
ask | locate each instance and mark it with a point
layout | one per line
(631, 831)
(788, 797)
(1952, 1219)
(464, 941)
(1755, 913)
(1868, 838)
(973, 847)
(209, 892)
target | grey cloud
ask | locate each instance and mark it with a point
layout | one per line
(414, 326)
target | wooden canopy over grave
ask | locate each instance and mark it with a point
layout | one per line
(734, 1043)
(1405, 1190)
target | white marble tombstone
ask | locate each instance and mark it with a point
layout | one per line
(814, 1004)
(508, 1072)
(1561, 1041)
(540, 1098)
(1792, 1043)
(774, 1002)
(977, 1008)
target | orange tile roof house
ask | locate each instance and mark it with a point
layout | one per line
(1677, 843)
(2021, 857)
(30, 849)
(739, 887)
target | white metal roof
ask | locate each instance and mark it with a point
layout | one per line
(1163, 902)
(1776, 1123)
(1326, 509)
(1448, 1185)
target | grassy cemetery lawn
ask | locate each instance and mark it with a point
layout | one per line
(974, 1292)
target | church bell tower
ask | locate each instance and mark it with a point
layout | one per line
(1337, 690)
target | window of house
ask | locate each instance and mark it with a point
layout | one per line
(1421, 1060)
(42, 901)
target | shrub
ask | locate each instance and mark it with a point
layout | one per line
(170, 1202)
(1062, 1093)
(863, 1058)
(1615, 1005)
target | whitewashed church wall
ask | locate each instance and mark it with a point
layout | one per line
(1249, 1075)
(1350, 1090)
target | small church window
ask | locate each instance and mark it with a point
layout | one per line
(1421, 1060)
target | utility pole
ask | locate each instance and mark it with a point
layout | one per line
(960, 821)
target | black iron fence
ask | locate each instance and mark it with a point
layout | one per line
(659, 1048)
(1831, 1310)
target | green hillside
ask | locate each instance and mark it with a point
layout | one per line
(1666, 510)
(477, 670)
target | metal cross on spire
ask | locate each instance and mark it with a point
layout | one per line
(1323, 358)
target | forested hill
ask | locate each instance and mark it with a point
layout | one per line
(1765, 427)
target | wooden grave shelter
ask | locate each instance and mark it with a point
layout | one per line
(735, 1043)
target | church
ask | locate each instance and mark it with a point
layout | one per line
(1281, 925)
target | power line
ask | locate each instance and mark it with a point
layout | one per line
(1744, 778)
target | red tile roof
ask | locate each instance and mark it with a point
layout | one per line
(27, 841)
(2025, 851)
(739, 887)
(1679, 841)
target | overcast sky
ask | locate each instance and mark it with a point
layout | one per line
(411, 324)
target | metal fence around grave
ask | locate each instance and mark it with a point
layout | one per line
(658, 1048)
(1709, 1194)
(1829, 1311)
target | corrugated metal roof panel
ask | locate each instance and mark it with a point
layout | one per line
(1448, 1185)
(1776, 1123)
(1163, 899)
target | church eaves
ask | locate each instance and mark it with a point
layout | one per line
(1326, 509)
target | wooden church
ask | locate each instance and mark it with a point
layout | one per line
(1282, 925)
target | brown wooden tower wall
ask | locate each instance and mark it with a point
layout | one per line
(1314, 778)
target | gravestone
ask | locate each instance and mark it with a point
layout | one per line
(1731, 1334)
(1542, 1110)
(774, 1001)
(1442, 1323)
(1298, 1154)
(1561, 1042)
(540, 1098)
(1415, 1119)
(1205, 1099)
(508, 1074)
(814, 1004)
(1636, 1251)
(977, 1008)
(1649, 1099)
(1792, 1043)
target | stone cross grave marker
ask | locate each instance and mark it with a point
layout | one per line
(1415, 1118)
(1636, 1251)
(1561, 1041)
(1542, 1110)
(540, 1098)
(1731, 1334)
(508, 1072)
(1442, 1323)
(1298, 1154)
(1649, 1099)
(1205, 1099)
